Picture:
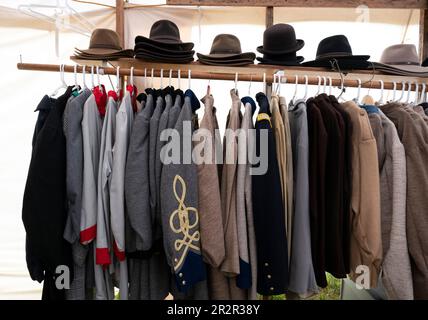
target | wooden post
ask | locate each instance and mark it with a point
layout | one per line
(120, 29)
(269, 23)
(423, 34)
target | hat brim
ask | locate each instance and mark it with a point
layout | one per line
(226, 63)
(279, 62)
(299, 45)
(227, 56)
(162, 55)
(414, 69)
(166, 51)
(154, 58)
(347, 63)
(102, 51)
(166, 43)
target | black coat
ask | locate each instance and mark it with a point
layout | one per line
(334, 228)
(268, 210)
(318, 139)
(44, 211)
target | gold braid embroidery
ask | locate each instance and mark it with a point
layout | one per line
(182, 214)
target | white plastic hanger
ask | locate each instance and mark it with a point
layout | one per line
(306, 87)
(179, 79)
(84, 78)
(118, 79)
(189, 78)
(423, 94)
(63, 84)
(98, 77)
(319, 86)
(236, 83)
(408, 91)
(394, 90)
(264, 82)
(145, 78)
(92, 77)
(415, 102)
(170, 77)
(249, 85)
(296, 83)
(403, 87)
(357, 98)
(324, 88)
(153, 81)
(330, 85)
(161, 79)
(76, 85)
(381, 92)
(131, 77)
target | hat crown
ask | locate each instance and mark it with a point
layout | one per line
(105, 39)
(164, 29)
(280, 33)
(226, 43)
(400, 54)
(334, 45)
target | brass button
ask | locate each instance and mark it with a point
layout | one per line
(269, 276)
(183, 282)
(180, 275)
(271, 288)
(266, 264)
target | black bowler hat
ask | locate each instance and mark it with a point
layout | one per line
(165, 34)
(280, 39)
(337, 48)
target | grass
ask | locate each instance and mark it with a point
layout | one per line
(331, 292)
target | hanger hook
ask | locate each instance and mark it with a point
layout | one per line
(330, 84)
(189, 78)
(381, 91)
(75, 76)
(394, 90)
(264, 82)
(161, 78)
(179, 79)
(408, 91)
(416, 92)
(92, 77)
(98, 76)
(403, 87)
(170, 77)
(118, 79)
(279, 84)
(357, 99)
(236, 83)
(296, 77)
(249, 86)
(319, 85)
(423, 94)
(324, 89)
(306, 87)
(84, 77)
(131, 77)
(145, 78)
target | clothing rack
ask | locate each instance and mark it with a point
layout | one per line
(256, 73)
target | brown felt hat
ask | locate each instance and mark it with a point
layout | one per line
(226, 47)
(104, 43)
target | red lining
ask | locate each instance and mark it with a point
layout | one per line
(119, 254)
(102, 256)
(89, 234)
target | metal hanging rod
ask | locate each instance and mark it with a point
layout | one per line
(254, 73)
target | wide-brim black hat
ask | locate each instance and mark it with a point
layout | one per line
(337, 48)
(173, 46)
(296, 47)
(224, 56)
(230, 63)
(157, 58)
(161, 55)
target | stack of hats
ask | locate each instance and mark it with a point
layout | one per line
(335, 52)
(226, 51)
(401, 59)
(164, 44)
(280, 46)
(104, 45)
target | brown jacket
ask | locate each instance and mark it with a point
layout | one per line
(414, 136)
(366, 240)
(288, 159)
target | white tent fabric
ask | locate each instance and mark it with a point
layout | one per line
(34, 40)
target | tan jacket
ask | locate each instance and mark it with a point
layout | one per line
(366, 240)
(230, 265)
(280, 143)
(209, 203)
(289, 171)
